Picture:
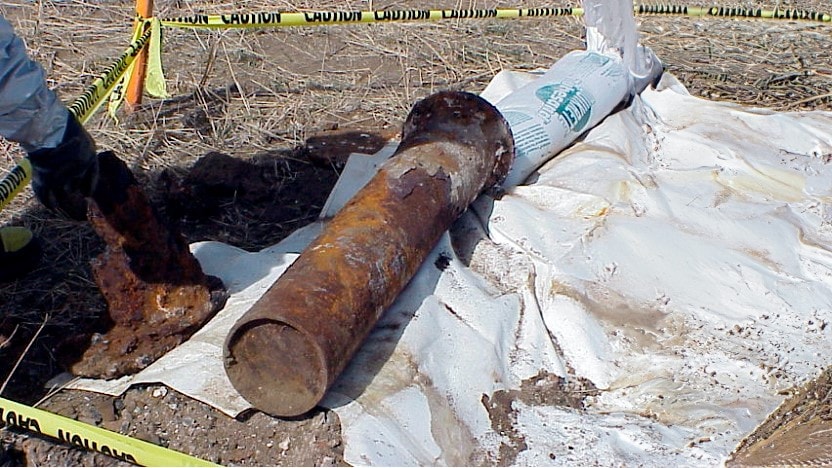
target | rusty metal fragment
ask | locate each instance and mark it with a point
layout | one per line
(286, 351)
(156, 292)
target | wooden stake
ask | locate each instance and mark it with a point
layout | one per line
(135, 88)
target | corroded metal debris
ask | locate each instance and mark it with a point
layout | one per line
(286, 351)
(156, 292)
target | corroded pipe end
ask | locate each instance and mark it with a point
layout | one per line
(283, 371)
(466, 119)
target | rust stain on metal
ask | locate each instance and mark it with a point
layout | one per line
(286, 351)
(156, 292)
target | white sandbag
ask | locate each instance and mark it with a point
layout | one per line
(551, 111)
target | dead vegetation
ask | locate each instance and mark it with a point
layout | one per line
(258, 95)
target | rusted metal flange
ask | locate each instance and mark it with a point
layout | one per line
(156, 292)
(286, 351)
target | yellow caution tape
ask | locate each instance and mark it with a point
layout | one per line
(154, 82)
(15, 238)
(316, 18)
(118, 93)
(725, 12)
(14, 182)
(86, 104)
(154, 78)
(93, 438)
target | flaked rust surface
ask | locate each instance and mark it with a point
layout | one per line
(156, 292)
(285, 352)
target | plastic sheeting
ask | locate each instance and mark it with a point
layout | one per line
(679, 258)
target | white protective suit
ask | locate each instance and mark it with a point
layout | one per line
(30, 113)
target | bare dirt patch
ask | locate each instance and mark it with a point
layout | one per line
(799, 432)
(542, 389)
(248, 146)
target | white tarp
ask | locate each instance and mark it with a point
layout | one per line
(679, 257)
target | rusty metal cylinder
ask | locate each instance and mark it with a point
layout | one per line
(285, 352)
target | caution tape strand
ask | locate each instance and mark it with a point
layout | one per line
(86, 104)
(83, 435)
(729, 12)
(312, 18)
(14, 182)
(317, 18)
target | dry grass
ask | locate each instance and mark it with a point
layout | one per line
(246, 93)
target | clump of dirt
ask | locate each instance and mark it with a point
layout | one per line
(544, 389)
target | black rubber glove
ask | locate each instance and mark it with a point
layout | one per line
(63, 176)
